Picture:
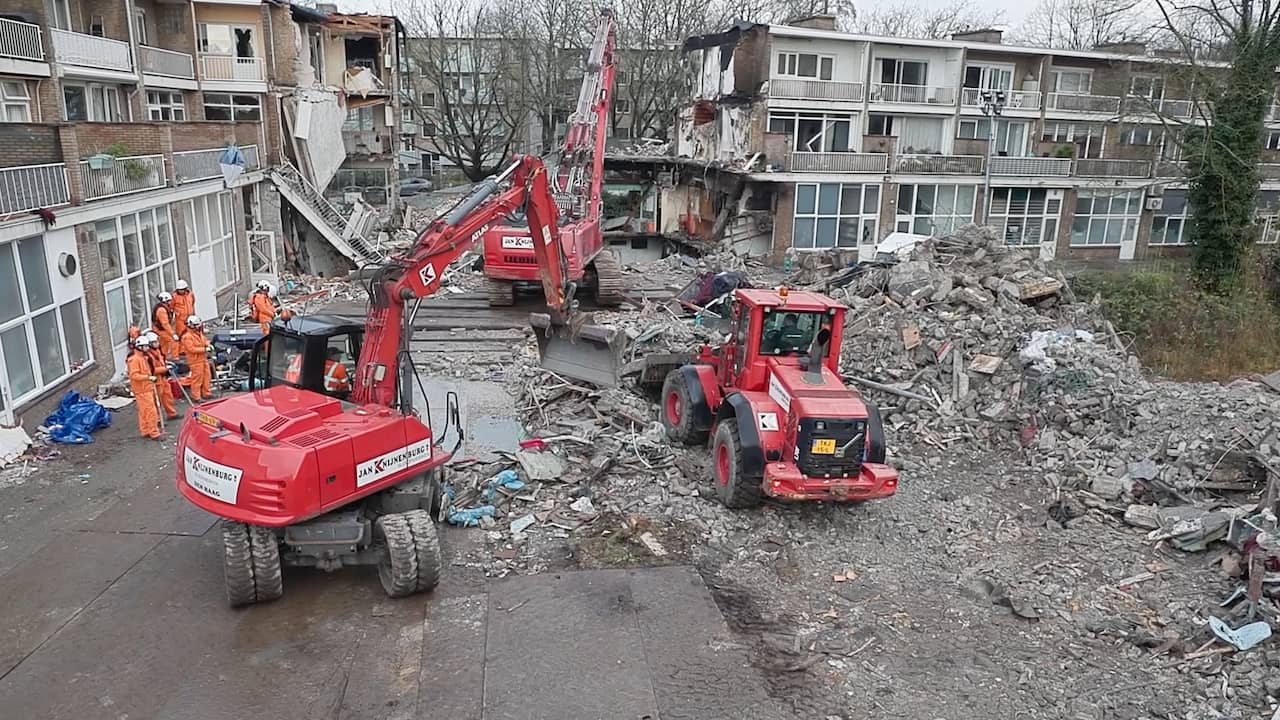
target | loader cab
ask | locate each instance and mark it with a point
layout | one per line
(795, 328)
(313, 352)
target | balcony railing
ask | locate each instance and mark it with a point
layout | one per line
(1093, 167)
(20, 40)
(912, 94)
(938, 164)
(122, 176)
(194, 165)
(1273, 112)
(839, 162)
(1072, 102)
(1166, 107)
(230, 67)
(1269, 171)
(73, 48)
(1015, 99)
(801, 89)
(1031, 166)
(33, 186)
(1170, 169)
(166, 62)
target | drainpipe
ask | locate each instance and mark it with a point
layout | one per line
(135, 51)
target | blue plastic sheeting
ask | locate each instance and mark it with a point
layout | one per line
(76, 418)
(232, 156)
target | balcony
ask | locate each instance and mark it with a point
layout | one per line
(230, 67)
(1014, 99)
(194, 165)
(1071, 102)
(912, 94)
(848, 162)
(1031, 166)
(1165, 107)
(365, 142)
(156, 61)
(20, 40)
(938, 165)
(801, 89)
(1170, 169)
(33, 186)
(1093, 167)
(1269, 171)
(89, 51)
(122, 176)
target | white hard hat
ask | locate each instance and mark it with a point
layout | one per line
(142, 341)
(264, 285)
(194, 320)
(163, 296)
(151, 336)
(181, 285)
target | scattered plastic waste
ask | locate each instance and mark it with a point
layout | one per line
(76, 417)
(1242, 638)
(470, 517)
(506, 479)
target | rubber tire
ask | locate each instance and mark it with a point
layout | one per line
(411, 562)
(251, 563)
(501, 293)
(738, 490)
(683, 431)
(434, 498)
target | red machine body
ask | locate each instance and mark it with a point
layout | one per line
(781, 421)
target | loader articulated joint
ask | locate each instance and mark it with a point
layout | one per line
(737, 406)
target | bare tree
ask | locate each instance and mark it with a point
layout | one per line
(1084, 24)
(907, 19)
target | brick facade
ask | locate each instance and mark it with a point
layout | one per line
(22, 144)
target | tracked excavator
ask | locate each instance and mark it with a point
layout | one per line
(333, 463)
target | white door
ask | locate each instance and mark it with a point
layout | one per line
(1129, 243)
(262, 257)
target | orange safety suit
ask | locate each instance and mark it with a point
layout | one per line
(196, 348)
(184, 306)
(144, 393)
(293, 373)
(160, 369)
(162, 324)
(262, 310)
(335, 376)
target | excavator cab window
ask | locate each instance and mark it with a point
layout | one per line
(286, 359)
(788, 333)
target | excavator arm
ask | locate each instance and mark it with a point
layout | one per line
(418, 273)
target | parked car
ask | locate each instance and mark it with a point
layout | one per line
(413, 186)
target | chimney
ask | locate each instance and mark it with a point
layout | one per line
(985, 35)
(816, 21)
(1124, 47)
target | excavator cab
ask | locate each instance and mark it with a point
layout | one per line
(312, 352)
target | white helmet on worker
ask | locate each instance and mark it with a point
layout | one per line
(151, 337)
(142, 342)
(181, 285)
(264, 286)
(163, 296)
(194, 321)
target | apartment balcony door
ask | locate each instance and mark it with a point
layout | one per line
(988, 77)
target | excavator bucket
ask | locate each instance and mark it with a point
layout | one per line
(579, 349)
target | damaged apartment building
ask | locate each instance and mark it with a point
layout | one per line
(849, 137)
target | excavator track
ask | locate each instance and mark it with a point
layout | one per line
(609, 286)
(502, 293)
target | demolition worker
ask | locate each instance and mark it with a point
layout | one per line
(261, 309)
(335, 373)
(163, 326)
(197, 348)
(143, 384)
(160, 368)
(184, 305)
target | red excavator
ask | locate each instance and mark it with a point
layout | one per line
(509, 256)
(330, 463)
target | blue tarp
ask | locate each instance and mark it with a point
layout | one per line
(232, 156)
(77, 416)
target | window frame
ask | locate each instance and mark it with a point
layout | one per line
(1046, 219)
(1162, 219)
(145, 270)
(1057, 73)
(164, 103)
(862, 219)
(912, 220)
(1128, 222)
(787, 65)
(235, 106)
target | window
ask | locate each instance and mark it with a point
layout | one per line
(813, 132)
(140, 25)
(1073, 82)
(622, 107)
(15, 103)
(834, 215)
(1147, 86)
(903, 72)
(784, 333)
(428, 99)
(879, 124)
(75, 103)
(428, 129)
(1137, 136)
(934, 209)
(805, 65)
(232, 40)
(1026, 216)
(1105, 217)
(623, 132)
(622, 77)
(1011, 137)
(61, 17)
(42, 341)
(92, 102)
(406, 115)
(211, 237)
(920, 134)
(221, 106)
(1273, 141)
(406, 144)
(1087, 138)
(988, 77)
(1169, 223)
(136, 252)
(359, 119)
(163, 105)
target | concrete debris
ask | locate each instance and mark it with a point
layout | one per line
(14, 442)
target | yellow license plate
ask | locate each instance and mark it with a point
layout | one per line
(207, 419)
(824, 446)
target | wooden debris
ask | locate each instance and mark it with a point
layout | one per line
(985, 364)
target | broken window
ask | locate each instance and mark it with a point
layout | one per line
(1026, 216)
(835, 215)
(934, 209)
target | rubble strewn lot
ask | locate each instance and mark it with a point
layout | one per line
(1065, 529)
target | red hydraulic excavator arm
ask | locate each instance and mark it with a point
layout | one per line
(417, 273)
(581, 170)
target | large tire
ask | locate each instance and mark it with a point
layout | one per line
(733, 487)
(251, 564)
(608, 285)
(502, 293)
(411, 562)
(677, 410)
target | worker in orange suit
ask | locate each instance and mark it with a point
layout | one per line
(163, 326)
(335, 373)
(143, 384)
(196, 347)
(261, 309)
(160, 368)
(184, 305)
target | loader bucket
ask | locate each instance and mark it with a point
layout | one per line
(579, 349)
